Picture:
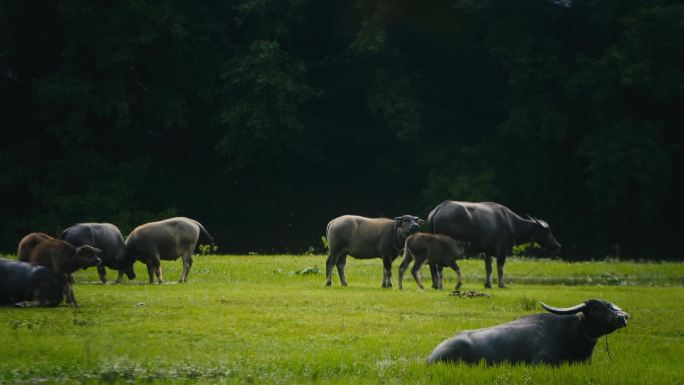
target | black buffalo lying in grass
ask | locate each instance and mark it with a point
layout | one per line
(24, 285)
(567, 335)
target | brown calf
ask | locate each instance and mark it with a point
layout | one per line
(58, 257)
(28, 243)
(439, 250)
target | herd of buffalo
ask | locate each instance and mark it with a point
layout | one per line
(42, 275)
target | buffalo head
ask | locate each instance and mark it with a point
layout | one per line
(543, 236)
(600, 317)
(128, 270)
(88, 256)
(407, 225)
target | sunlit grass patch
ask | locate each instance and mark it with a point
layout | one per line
(269, 319)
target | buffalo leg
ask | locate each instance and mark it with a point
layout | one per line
(500, 262)
(488, 271)
(187, 264)
(440, 277)
(341, 262)
(154, 268)
(119, 277)
(457, 269)
(329, 265)
(434, 275)
(103, 274)
(415, 271)
(387, 273)
(403, 266)
(27, 304)
(68, 289)
(150, 272)
(158, 272)
(71, 299)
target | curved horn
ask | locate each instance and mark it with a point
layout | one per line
(564, 311)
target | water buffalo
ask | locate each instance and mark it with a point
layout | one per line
(439, 251)
(24, 285)
(567, 335)
(106, 237)
(489, 228)
(168, 239)
(61, 258)
(366, 238)
(28, 243)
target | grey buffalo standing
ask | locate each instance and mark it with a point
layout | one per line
(490, 228)
(438, 250)
(367, 238)
(567, 335)
(106, 237)
(168, 240)
(24, 285)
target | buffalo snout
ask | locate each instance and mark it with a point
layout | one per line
(130, 274)
(621, 318)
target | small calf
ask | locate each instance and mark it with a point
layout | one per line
(24, 285)
(439, 250)
(567, 335)
(61, 258)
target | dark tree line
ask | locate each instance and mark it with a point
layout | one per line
(266, 118)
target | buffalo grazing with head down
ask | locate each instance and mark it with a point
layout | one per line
(23, 285)
(566, 335)
(489, 228)
(59, 257)
(168, 240)
(106, 237)
(438, 250)
(366, 238)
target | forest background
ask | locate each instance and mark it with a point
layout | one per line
(264, 119)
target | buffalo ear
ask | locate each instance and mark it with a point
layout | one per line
(420, 221)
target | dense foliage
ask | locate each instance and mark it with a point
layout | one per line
(266, 118)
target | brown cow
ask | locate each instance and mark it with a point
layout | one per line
(59, 257)
(439, 250)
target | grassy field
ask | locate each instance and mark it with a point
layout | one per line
(255, 319)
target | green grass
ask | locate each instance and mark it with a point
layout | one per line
(253, 319)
